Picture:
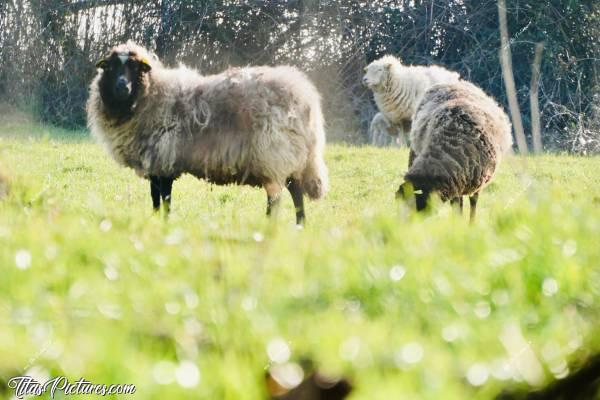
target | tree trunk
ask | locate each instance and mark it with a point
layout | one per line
(509, 79)
(536, 129)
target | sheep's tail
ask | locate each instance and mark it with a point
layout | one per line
(315, 177)
(315, 181)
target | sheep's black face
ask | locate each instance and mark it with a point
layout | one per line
(121, 80)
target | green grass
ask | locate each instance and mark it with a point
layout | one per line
(407, 307)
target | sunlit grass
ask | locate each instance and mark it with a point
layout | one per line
(94, 285)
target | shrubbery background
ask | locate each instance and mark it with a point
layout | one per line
(48, 49)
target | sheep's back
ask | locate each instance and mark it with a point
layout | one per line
(248, 125)
(259, 125)
(407, 84)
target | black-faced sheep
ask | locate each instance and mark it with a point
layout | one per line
(398, 88)
(458, 137)
(259, 126)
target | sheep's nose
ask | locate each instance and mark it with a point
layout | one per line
(122, 88)
(121, 84)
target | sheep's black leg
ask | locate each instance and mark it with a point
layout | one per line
(155, 192)
(457, 203)
(166, 185)
(473, 206)
(297, 196)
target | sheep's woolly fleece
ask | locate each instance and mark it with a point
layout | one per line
(459, 136)
(254, 125)
(398, 88)
(382, 132)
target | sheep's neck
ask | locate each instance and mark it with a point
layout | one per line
(396, 96)
(121, 113)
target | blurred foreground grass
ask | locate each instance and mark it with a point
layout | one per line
(93, 285)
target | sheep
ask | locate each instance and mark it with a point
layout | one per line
(259, 126)
(458, 137)
(397, 88)
(382, 132)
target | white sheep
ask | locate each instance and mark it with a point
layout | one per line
(382, 132)
(398, 88)
(458, 137)
(259, 126)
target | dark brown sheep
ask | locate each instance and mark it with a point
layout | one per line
(458, 137)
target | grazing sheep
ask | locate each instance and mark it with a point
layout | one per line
(259, 126)
(398, 88)
(382, 132)
(458, 136)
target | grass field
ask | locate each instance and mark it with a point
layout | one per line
(93, 285)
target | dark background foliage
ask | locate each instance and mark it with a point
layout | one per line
(48, 49)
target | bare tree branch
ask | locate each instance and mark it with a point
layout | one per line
(536, 130)
(509, 79)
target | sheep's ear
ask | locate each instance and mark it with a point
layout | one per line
(102, 64)
(145, 65)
